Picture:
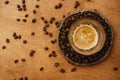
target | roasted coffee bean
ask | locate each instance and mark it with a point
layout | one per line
(42, 18)
(24, 20)
(50, 35)
(26, 15)
(37, 6)
(50, 55)
(115, 68)
(62, 70)
(25, 41)
(73, 69)
(21, 78)
(46, 48)
(42, 68)
(18, 6)
(18, 19)
(76, 4)
(45, 21)
(59, 5)
(46, 25)
(6, 2)
(3, 47)
(32, 52)
(20, 9)
(46, 32)
(26, 78)
(89, 0)
(34, 20)
(7, 40)
(56, 64)
(23, 60)
(24, 6)
(33, 33)
(63, 16)
(16, 61)
(23, 1)
(14, 34)
(57, 24)
(53, 41)
(34, 11)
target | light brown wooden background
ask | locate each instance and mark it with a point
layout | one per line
(110, 9)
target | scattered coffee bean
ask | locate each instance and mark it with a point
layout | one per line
(18, 19)
(34, 11)
(95, 10)
(25, 41)
(23, 60)
(42, 18)
(63, 16)
(57, 24)
(23, 1)
(62, 70)
(46, 25)
(24, 6)
(34, 20)
(19, 9)
(45, 21)
(26, 15)
(24, 20)
(3, 47)
(53, 52)
(50, 35)
(58, 6)
(46, 33)
(46, 48)
(21, 78)
(26, 78)
(76, 4)
(44, 28)
(24, 9)
(37, 6)
(18, 6)
(56, 64)
(52, 20)
(6, 2)
(41, 69)
(89, 0)
(19, 37)
(33, 33)
(73, 69)
(115, 68)
(32, 52)
(53, 41)
(7, 40)
(16, 61)
(50, 55)
(15, 37)
(14, 34)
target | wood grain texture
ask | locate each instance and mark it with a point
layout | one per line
(110, 9)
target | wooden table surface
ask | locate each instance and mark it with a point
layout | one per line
(17, 50)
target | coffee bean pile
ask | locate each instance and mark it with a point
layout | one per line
(74, 56)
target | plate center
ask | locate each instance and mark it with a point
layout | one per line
(85, 37)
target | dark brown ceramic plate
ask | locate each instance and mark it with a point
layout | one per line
(78, 55)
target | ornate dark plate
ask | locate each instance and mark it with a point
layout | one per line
(99, 52)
